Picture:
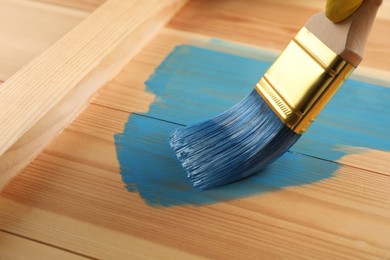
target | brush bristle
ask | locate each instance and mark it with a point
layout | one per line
(237, 143)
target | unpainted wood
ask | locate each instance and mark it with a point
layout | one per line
(29, 28)
(80, 237)
(16, 247)
(44, 96)
(87, 5)
(271, 24)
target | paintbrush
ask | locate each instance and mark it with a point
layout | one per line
(244, 139)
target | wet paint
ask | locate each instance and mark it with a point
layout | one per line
(194, 84)
(191, 77)
(149, 166)
(357, 116)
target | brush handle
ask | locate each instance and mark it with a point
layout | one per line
(347, 38)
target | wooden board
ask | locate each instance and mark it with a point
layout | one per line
(87, 5)
(71, 199)
(86, 58)
(15, 247)
(29, 28)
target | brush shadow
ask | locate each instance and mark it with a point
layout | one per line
(149, 167)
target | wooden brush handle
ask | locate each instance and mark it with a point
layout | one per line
(347, 38)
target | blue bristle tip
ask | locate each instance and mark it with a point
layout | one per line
(234, 145)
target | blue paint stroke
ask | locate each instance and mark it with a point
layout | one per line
(357, 116)
(187, 78)
(149, 166)
(191, 77)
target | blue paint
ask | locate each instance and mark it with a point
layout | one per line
(191, 77)
(357, 116)
(234, 145)
(149, 166)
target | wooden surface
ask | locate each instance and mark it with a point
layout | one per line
(29, 28)
(86, 58)
(70, 201)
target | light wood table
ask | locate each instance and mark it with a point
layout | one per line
(70, 201)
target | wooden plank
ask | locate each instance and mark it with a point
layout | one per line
(87, 5)
(71, 195)
(126, 92)
(75, 182)
(29, 28)
(273, 27)
(286, 221)
(77, 65)
(78, 236)
(16, 247)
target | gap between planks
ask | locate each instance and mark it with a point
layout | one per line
(17, 246)
(79, 236)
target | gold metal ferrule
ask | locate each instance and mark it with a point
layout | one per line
(302, 80)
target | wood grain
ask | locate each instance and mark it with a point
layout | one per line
(87, 5)
(71, 197)
(84, 59)
(98, 217)
(28, 29)
(77, 236)
(288, 221)
(16, 247)
(269, 24)
(127, 92)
